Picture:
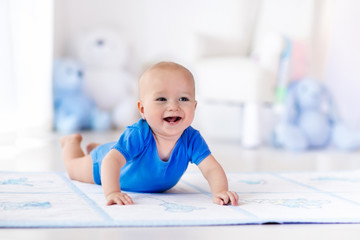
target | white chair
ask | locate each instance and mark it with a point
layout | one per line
(225, 83)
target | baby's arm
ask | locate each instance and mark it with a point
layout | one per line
(110, 178)
(217, 180)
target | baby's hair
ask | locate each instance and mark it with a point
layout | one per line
(166, 65)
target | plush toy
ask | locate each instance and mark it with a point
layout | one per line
(74, 110)
(309, 120)
(105, 54)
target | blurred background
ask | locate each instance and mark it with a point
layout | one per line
(70, 65)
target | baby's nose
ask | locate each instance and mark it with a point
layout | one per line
(173, 105)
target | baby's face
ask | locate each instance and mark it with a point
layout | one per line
(167, 101)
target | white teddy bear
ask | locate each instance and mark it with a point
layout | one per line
(104, 54)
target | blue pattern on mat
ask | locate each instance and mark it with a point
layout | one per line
(49, 199)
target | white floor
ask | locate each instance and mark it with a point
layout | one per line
(41, 152)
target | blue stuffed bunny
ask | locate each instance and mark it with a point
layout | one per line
(74, 110)
(310, 122)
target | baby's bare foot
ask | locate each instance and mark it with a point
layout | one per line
(70, 138)
(91, 146)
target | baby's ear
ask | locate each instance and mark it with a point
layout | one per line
(141, 109)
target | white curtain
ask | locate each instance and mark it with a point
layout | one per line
(342, 68)
(26, 46)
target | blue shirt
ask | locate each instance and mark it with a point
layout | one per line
(144, 171)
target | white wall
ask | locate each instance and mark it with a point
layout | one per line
(165, 29)
(156, 29)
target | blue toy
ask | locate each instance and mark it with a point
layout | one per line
(74, 110)
(309, 120)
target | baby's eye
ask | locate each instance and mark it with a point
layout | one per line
(183, 99)
(161, 99)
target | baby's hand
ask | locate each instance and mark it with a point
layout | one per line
(119, 198)
(225, 198)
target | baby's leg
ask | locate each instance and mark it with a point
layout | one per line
(91, 146)
(78, 165)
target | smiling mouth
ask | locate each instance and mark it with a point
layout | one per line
(172, 119)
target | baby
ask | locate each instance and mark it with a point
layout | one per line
(152, 154)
